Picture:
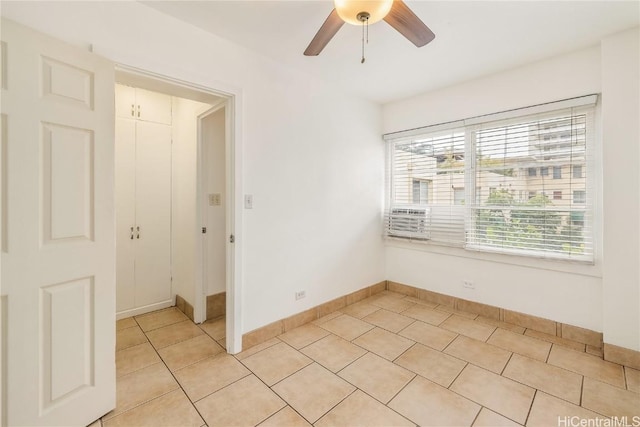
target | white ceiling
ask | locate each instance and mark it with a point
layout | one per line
(473, 38)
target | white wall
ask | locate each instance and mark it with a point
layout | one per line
(567, 76)
(621, 189)
(184, 159)
(312, 155)
(213, 140)
(602, 297)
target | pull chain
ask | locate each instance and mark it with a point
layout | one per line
(364, 18)
(365, 30)
(362, 60)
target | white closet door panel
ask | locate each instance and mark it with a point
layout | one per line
(154, 107)
(125, 101)
(125, 178)
(153, 213)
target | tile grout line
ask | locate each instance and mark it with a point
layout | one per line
(334, 406)
(468, 398)
(276, 393)
(477, 415)
(386, 405)
(140, 404)
(193, 404)
(504, 368)
(457, 376)
(451, 342)
(546, 358)
(535, 393)
(402, 354)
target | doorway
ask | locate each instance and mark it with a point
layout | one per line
(194, 263)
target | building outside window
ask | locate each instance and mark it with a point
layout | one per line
(557, 172)
(420, 191)
(458, 196)
(577, 171)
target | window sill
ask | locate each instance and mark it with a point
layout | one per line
(583, 268)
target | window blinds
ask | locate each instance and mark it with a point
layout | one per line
(531, 186)
(515, 182)
(424, 174)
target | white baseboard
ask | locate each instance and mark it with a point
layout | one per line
(142, 310)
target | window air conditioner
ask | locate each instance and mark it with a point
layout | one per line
(409, 222)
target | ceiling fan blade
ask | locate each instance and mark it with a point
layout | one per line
(408, 24)
(329, 29)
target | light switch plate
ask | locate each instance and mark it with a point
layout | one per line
(248, 201)
(215, 199)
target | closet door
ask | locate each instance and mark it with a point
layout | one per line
(125, 101)
(125, 190)
(153, 213)
(153, 107)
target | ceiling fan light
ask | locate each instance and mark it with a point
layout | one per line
(348, 10)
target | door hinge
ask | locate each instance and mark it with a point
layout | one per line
(204, 230)
(232, 239)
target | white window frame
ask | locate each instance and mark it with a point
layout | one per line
(586, 104)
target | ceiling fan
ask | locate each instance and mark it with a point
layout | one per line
(358, 12)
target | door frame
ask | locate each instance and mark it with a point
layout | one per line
(232, 101)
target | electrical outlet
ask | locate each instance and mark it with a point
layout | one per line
(301, 294)
(468, 284)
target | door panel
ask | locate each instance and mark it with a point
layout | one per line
(125, 212)
(153, 213)
(153, 107)
(58, 269)
(125, 102)
(67, 174)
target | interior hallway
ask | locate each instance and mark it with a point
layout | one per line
(389, 360)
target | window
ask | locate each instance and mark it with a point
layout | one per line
(426, 212)
(420, 191)
(577, 171)
(477, 192)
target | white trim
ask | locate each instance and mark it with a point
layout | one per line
(145, 309)
(422, 130)
(200, 303)
(234, 212)
(581, 101)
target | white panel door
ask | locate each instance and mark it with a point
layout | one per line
(153, 214)
(125, 212)
(58, 252)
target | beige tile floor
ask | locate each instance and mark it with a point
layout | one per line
(389, 360)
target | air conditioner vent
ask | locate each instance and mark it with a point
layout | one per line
(409, 222)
